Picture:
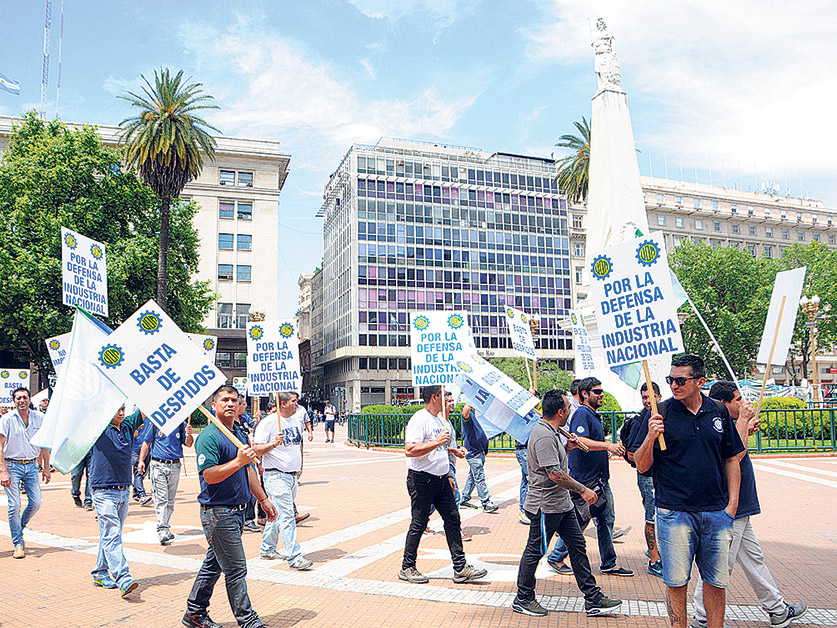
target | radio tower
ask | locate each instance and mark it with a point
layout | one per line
(45, 69)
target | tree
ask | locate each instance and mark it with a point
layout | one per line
(164, 143)
(574, 170)
(550, 376)
(53, 176)
(732, 291)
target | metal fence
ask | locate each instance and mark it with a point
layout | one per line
(781, 430)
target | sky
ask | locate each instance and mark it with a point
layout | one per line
(739, 93)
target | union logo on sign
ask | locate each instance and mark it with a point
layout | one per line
(208, 344)
(70, 241)
(602, 267)
(96, 251)
(648, 253)
(54, 344)
(256, 332)
(149, 323)
(421, 323)
(455, 321)
(111, 356)
(286, 330)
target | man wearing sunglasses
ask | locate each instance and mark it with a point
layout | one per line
(592, 469)
(696, 482)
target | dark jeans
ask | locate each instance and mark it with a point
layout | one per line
(222, 527)
(427, 490)
(566, 525)
(138, 480)
(82, 468)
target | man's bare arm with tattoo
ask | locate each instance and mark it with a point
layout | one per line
(565, 481)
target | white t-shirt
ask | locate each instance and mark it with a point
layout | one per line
(421, 428)
(285, 457)
(330, 412)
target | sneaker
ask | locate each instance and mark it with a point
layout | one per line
(251, 526)
(166, 539)
(129, 587)
(647, 554)
(199, 621)
(489, 507)
(561, 568)
(522, 518)
(792, 611)
(656, 569)
(466, 537)
(271, 555)
(620, 532)
(303, 564)
(77, 501)
(411, 574)
(105, 582)
(696, 623)
(601, 606)
(468, 574)
(144, 500)
(19, 552)
(88, 505)
(466, 503)
(618, 571)
(530, 607)
(302, 517)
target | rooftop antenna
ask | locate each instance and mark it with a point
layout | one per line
(45, 68)
(60, 46)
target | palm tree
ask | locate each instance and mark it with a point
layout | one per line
(574, 170)
(164, 143)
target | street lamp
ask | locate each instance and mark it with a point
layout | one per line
(534, 325)
(811, 307)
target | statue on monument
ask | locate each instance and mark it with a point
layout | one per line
(607, 66)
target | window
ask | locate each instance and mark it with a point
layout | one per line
(239, 360)
(660, 199)
(767, 212)
(736, 228)
(225, 272)
(752, 230)
(661, 221)
(245, 211)
(733, 208)
(752, 249)
(698, 224)
(224, 315)
(577, 223)
(226, 209)
(831, 239)
(579, 271)
(242, 315)
(679, 222)
(715, 205)
(816, 237)
(245, 242)
(768, 250)
(750, 210)
(768, 231)
(800, 235)
(716, 225)
(362, 362)
(579, 250)
(714, 243)
(225, 240)
(222, 359)
(678, 200)
(227, 177)
(245, 179)
(697, 203)
(242, 272)
(785, 234)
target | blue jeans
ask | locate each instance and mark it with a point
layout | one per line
(281, 488)
(476, 477)
(222, 527)
(28, 473)
(139, 487)
(112, 508)
(522, 455)
(646, 489)
(82, 468)
(604, 530)
(702, 537)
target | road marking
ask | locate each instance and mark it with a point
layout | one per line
(791, 474)
(800, 467)
(325, 465)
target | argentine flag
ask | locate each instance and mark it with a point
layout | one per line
(9, 85)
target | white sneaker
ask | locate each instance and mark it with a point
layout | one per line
(271, 555)
(521, 516)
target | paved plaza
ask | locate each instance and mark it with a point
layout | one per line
(359, 515)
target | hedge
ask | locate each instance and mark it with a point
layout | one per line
(798, 423)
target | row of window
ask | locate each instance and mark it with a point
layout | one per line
(444, 195)
(231, 209)
(767, 211)
(390, 364)
(238, 178)
(225, 359)
(244, 241)
(227, 320)
(242, 272)
(494, 341)
(736, 229)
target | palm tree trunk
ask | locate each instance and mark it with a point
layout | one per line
(163, 259)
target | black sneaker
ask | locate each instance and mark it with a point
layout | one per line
(77, 501)
(529, 607)
(618, 571)
(200, 621)
(601, 606)
(564, 570)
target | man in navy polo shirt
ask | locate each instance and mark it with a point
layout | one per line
(696, 482)
(166, 452)
(476, 442)
(592, 469)
(227, 479)
(110, 481)
(745, 548)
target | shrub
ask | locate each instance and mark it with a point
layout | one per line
(380, 409)
(790, 418)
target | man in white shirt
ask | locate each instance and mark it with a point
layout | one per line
(330, 415)
(429, 484)
(281, 453)
(19, 463)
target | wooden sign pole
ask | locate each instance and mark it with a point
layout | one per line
(224, 429)
(649, 385)
(528, 372)
(770, 358)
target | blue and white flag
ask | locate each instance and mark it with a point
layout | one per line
(7, 84)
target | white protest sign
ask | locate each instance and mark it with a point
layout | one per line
(272, 358)
(584, 363)
(240, 384)
(436, 341)
(58, 347)
(10, 379)
(788, 285)
(209, 344)
(520, 332)
(84, 274)
(637, 311)
(156, 366)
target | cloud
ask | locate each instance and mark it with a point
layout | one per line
(747, 82)
(442, 10)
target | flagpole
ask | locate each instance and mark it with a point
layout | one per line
(770, 358)
(528, 372)
(224, 429)
(650, 387)
(715, 342)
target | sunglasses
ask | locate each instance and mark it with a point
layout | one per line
(680, 381)
(597, 391)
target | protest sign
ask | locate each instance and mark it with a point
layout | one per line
(156, 365)
(58, 347)
(584, 363)
(209, 344)
(520, 332)
(84, 274)
(787, 288)
(240, 384)
(637, 311)
(437, 339)
(272, 358)
(9, 380)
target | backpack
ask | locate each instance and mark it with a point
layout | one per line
(626, 435)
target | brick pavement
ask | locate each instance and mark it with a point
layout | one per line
(359, 513)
